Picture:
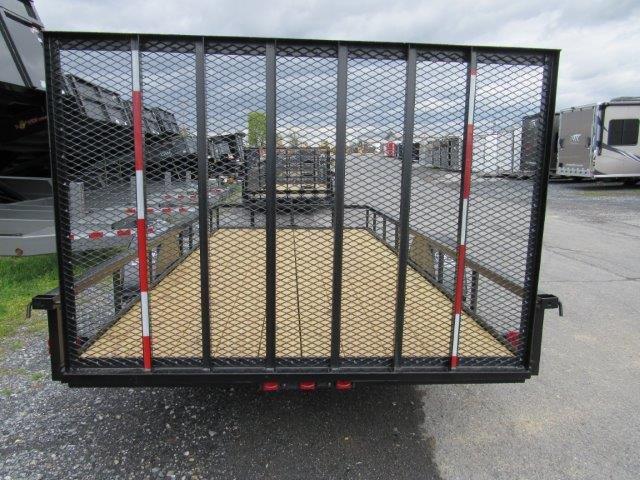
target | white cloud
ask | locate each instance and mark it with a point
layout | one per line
(598, 38)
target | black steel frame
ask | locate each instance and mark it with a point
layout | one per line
(396, 370)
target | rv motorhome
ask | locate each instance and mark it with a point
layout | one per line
(600, 141)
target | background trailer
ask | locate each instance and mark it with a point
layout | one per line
(600, 141)
(313, 260)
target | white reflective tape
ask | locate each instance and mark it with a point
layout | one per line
(140, 194)
(144, 308)
(463, 221)
(456, 333)
(135, 69)
(472, 99)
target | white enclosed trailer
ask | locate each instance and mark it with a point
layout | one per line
(600, 140)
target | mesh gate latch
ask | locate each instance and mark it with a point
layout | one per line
(549, 302)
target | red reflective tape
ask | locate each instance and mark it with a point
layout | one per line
(150, 210)
(166, 210)
(307, 386)
(130, 211)
(138, 139)
(454, 361)
(142, 255)
(123, 232)
(72, 236)
(95, 235)
(457, 304)
(473, 71)
(183, 210)
(146, 352)
(468, 157)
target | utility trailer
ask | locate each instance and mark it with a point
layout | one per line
(404, 273)
(304, 177)
(26, 215)
(600, 141)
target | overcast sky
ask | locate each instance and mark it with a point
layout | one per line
(599, 38)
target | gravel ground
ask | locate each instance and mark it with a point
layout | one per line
(578, 419)
(51, 431)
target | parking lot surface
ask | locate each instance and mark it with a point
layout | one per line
(578, 419)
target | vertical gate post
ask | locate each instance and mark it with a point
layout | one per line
(405, 203)
(141, 210)
(465, 190)
(534, 250)
(338, 212)
(53, 72)
(203, 206)
(270, 179)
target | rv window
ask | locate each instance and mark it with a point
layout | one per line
(623, 131)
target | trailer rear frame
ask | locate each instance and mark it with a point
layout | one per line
(512, 276)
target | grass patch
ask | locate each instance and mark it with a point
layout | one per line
(37, 376)
(21, 278)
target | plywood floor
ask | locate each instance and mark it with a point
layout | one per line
(304, 283)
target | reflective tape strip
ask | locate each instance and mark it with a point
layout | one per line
(163, 210)
(463, 227)
(140, 194)
(141, 224)
(460, 263)
(138, 139)
(146, 352)
(465, 193)
(142, 257)
(472, 95)
(104, 234)
(468, 161)
(135, 70)
(144, 303)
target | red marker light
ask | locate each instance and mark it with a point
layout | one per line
(513, 337)
(307, 386)
(343, 385)
(270, 386)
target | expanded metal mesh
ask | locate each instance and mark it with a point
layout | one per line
(210, 270)
(236, 92)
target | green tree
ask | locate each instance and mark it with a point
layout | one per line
(257, 129)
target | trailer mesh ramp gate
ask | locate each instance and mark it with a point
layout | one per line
(299, 249)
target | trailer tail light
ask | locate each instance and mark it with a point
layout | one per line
(513, 337)
(307, 386)
(270, 386)
(343, 385)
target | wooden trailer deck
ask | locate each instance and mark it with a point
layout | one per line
(304, 283)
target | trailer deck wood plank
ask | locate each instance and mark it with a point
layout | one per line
(304, 274)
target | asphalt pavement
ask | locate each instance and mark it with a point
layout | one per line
(578, 419)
